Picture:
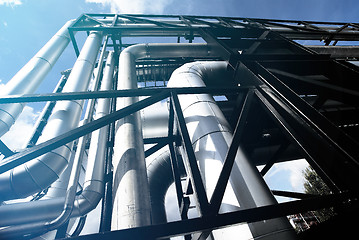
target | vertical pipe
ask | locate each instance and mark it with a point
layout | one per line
(31, 75)
(131, 200)
(106, 211)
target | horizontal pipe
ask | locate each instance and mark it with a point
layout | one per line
(31, 75)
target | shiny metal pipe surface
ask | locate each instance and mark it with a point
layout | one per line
(39, 173)
(131, 198)
(211, 136)
(28, 78)
(46, 210)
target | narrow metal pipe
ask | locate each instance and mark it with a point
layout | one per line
(39, 173)
(106, 210)
(133, 208)
(31, 75)
(94, 180)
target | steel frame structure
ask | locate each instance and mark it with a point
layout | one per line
(301, 96)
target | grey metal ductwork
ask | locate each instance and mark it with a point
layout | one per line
(39, 173)
(211, 136)
(28, 78)
(46, 210)
(160, 179)
(133, 208)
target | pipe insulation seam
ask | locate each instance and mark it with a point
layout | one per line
(249, 188)
(41, 211)
(65, 117)
(29, 77)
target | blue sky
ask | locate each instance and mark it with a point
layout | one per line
(26, 25)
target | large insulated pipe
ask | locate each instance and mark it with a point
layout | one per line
(58, 188)
(39, 173)
(160, 178)
(211, 136)
(131, 198)
(46, 210)
(31, 75)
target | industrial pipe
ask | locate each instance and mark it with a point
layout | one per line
(160, 179)
(38, 212)
(59, 187)
(29, 77)
(211, 136)
(133, 208)
(80, 151)
(39, 173)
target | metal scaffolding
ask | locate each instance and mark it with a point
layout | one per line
(287, 98)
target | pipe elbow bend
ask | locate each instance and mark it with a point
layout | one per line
(89, 199)
(137, 51)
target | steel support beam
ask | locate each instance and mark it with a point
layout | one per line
(5, 150)
(195, 225)
(30, 153)
(190, 158)
(115, 93)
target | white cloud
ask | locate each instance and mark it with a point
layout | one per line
(5, 24)
(295, 171)
(20, 132)
(134, 6)
(10, 3)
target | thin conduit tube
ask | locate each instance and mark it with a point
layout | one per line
(28, 78)
(39, 173)
(93, 188)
